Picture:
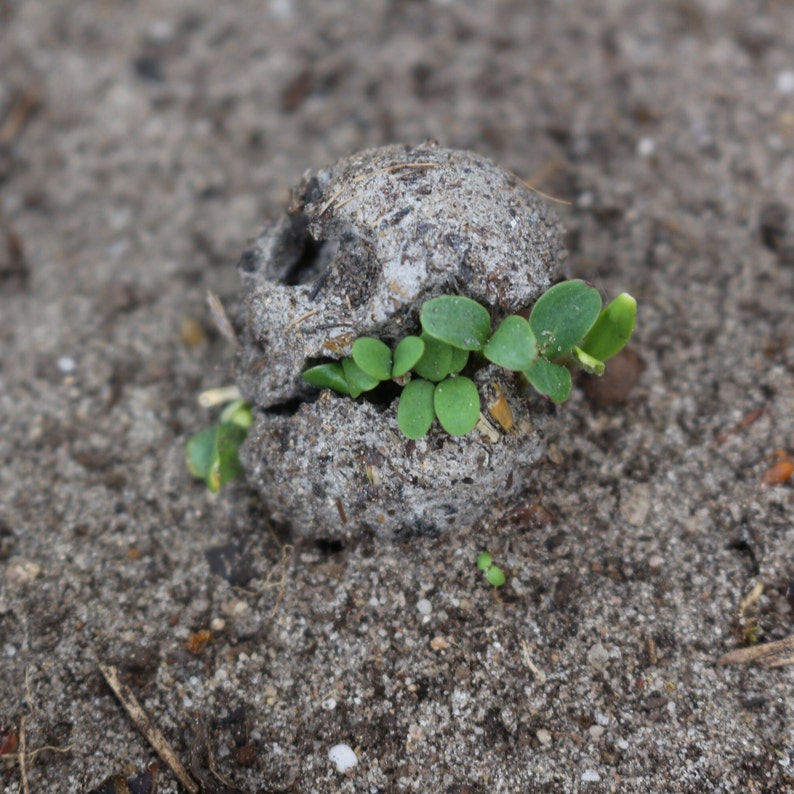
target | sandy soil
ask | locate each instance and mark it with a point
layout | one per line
(141, 145)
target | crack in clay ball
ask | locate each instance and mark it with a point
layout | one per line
(364, 244)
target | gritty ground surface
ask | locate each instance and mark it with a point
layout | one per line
(141, 144)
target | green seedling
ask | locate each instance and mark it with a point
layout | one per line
(612, 330)
(513, 345)
(416, 411)
(458, 321)
(407, 355)
(373, 357)
(562, 317)
(436, 361)
(212, 453)
(551, 380)
(460, 358)
(237, 412)
(358, 381)
(567, 329)
(494, 575)
(328, 376)
(457, 405)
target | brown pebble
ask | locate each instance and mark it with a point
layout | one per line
(614, 386)
(191, 332)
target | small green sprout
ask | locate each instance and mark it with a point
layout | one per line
(328, 376)
(552, 380)
(212, 453)
(416, 409)
(407, 355)
(457, 405)
(373, 357)
(513, 345)
(567, 328)
(613, 328)
(358, 381)
(458, 321)
(494, 575)
(436, 361)
(562, 317)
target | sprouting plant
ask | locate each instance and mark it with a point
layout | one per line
(212, 453)
(494, 575)
(567, 328)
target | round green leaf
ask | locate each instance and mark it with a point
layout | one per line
(406, 355)
(457, 404)
(328, 376)
(199, 451)
(436, 360)
(456, 320)
(484, 561)
(562, 316)
(550, 379)
(415, 411)
(495, 576)
(513, 345)
(613, 328)
(225, 463)
(459, 360)
(373, 357)
(357, 380)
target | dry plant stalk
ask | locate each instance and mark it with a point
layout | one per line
(768, 655)
(145, 725)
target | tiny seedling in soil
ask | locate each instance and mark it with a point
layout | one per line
(212, 453)
(494, 575)
(567, 329)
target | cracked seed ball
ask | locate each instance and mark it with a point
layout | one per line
(363, 245)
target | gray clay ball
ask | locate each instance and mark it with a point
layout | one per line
(364, 244)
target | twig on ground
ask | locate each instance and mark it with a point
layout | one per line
(23, 772)
(221, 319)
(770, 654)
(144, 724)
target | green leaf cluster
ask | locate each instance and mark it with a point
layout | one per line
(494, 575)
(566, 328)
(212, 453)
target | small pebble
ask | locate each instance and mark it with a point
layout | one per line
(343, 757)
(424, 607)
(544, 736)
(439, 644)
(555, 455)
(646, 147)
(785, 82)
(597, 731)
(240, 608)
(66, 364)
(656, 562)
(22, 571)
(590, 776)
(192, 332)
(598, 655)
(635, 504)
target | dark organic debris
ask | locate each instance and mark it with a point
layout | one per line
(143, 783)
